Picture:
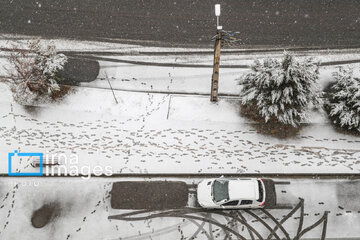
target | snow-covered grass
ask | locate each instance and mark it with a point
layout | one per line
(227, 110)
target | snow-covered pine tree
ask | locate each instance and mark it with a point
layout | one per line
(344, 100)
(282, 91)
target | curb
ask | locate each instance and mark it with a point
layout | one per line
(350, 176)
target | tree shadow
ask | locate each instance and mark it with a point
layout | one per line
(32, 110)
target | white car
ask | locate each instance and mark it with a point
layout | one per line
(231, 193)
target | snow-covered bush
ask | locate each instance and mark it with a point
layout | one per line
(281, 91)
(34, 74)
(344, 100)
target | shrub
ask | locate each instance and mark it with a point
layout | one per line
(344, 100)
(281, 91)
(34, 75)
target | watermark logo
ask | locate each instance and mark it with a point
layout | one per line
(55, 165)
(17, 154)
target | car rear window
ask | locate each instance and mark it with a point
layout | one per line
(261, 191)
(220, 190)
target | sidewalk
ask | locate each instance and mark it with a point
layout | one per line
(159, 133)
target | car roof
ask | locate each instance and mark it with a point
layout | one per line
(242, 189)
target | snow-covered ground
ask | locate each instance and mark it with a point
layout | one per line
(125, 76)
(163, 133)
(172, 131)
(82, 208)
(175, 131)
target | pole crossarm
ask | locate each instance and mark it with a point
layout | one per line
(229, 38)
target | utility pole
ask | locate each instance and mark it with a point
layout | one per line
(215, 75)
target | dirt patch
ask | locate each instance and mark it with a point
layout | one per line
(272, 127)
(58, 95)
(44, 215)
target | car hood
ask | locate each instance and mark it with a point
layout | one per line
(204, 194)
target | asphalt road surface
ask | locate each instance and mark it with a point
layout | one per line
(305, 23)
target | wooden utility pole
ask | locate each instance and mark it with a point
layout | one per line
(215, 75)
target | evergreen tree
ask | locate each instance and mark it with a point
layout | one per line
(282, 91)
(344, 100)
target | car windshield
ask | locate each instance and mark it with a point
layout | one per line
(220, 190)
